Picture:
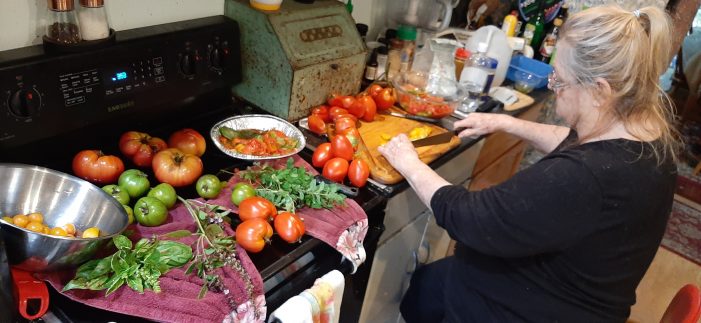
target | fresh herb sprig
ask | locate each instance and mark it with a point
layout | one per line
(140, 267)
(292, 187)
(214, 249)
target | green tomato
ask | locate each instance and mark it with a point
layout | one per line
(150, 211)
(165, 193)
(130, 213)
(241, 192)
(208, 186)
(118, 193)
(135, 182)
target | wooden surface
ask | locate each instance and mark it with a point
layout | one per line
(371, 133)
(524, 100)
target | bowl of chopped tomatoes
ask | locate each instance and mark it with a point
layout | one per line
(257, 137)
(429, 96)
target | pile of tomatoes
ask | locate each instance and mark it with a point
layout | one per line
(177, 162)
(256, 213)
(339, 120)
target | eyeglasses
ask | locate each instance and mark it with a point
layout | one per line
(554, 84)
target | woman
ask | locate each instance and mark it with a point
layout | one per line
(569, 238)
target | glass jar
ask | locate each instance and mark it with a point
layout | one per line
(93, 20)
(62, 24)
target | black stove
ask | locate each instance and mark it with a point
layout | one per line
(155, 79)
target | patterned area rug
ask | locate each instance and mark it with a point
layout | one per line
(683, 234)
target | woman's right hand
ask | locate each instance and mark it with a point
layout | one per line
(478, 124)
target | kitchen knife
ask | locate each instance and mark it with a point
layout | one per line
(438, 139)
(412, 117)
(344, 189)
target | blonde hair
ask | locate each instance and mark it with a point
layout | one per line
(630, 50)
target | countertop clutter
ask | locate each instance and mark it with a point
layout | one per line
(131, 97)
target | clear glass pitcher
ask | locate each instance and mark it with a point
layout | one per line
(436, 60)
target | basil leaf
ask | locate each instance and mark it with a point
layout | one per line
(114, 283)
(213, 230)
(136, 283)
(97, 283)
(122, 242)
(76, 283)
(178, 234)
(174, 254)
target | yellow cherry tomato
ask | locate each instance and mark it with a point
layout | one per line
(69, 228)
(36, 217)
(91, 233)
(35, 227)
(46, 229)
(20, 220)
(7, 219)
(58, 232)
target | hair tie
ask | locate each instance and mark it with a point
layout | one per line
(636, 12)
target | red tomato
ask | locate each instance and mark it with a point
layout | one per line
(176, 168)
(322, 154)
(334, 100)
(385, 99)
(341, 147)
(253, 234)
(256, 207)
(323, 112)
(347, 101)
(353, 135)
(188, 141)
(341, 124)
(140, 147)
(336, 111)
(336, 169)
(358, 172)
(96, 167)
(289, 227)
(316, 124)
(346, 115)
(357, 108)
(374, 90)
(369, 107)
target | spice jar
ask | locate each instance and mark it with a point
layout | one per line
(62, 24)
(93, 20)
(461, 56)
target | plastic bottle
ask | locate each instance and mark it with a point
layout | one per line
(477, 77)
(509, 24)
(407, 34)
(548, 46)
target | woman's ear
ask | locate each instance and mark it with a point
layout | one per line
(603, 92)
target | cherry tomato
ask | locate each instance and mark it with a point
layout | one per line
(96, 167)
(140, 147)
(373, 90)
(336, 111)
(336, 169)
(322, 154)
(341, 147)
(316, 124)
(323, 112)
(342, 124)
(358, 172)
(257, 207)
(241, 192)
(176, 168)
(357, 108)
(253, 234)
(369, 107)
(188, 141)
(385, 99)
(353, 135)
(289, 227)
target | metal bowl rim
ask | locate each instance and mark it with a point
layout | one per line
(214, 131)
(69, 176)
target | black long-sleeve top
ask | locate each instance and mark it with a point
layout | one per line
(567, 239)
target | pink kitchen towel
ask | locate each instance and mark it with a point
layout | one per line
(178, 302)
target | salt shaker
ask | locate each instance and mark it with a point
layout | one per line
(62, 25)
(93, 20)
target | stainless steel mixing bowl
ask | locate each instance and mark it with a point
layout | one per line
(62, 199)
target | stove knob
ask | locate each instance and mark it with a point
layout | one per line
(24, 103)
(217, 58)
(187, 64)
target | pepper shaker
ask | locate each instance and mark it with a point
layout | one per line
(93, 20)
(62, 26)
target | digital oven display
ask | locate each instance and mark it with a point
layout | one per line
(119, 76)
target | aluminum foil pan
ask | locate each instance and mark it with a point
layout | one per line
(260, 122)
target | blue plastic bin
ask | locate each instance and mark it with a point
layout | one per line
(539, 69)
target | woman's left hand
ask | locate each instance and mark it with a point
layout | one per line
(400, 153)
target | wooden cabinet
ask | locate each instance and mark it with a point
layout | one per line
(501, 155)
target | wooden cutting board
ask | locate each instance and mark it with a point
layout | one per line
(371, 133)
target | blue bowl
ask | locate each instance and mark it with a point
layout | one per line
(521, 64)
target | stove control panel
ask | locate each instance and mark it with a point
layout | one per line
(147, 71)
